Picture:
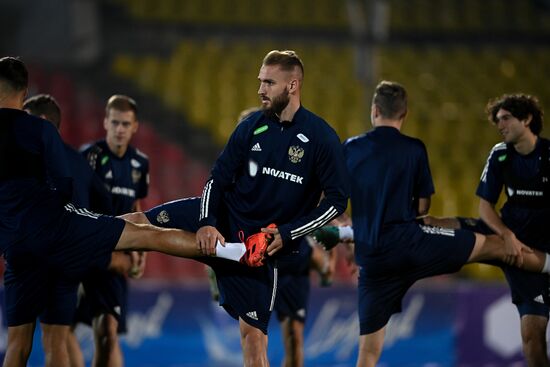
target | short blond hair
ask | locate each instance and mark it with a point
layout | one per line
(122, 103)
(288, 60)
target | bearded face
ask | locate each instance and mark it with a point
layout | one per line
(276, 104)
(274, 90)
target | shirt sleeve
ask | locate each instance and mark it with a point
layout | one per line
(333, 176)
(222, 176)
(491, 181)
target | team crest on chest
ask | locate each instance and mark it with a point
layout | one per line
(163, 217)
(295, 153)
(136, 176)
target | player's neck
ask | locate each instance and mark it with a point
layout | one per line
(388, 123)
(526, 144)
(11, 101)
(118, 150)
(290, 110)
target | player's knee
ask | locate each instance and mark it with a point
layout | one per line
(252, 336)
(20, 349)
(137, 218)
(296, 330)
(106, 327)
(20, 341)
(486, 248)
(56, 338)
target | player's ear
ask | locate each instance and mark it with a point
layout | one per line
(22, 96)
(528, 120)
(375, 110)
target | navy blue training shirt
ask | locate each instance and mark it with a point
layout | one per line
(275, 172)
(390, 173)
(35, 181)
(88, 190)
(126, 178)
(533, 186)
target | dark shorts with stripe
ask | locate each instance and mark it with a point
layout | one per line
(294, 285)
(408, 254)
(43, 271)
(245, 292)
(530, 291)
(104, 292)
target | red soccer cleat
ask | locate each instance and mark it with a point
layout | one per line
(256, 246)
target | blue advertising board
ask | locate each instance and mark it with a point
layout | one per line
(448, 325)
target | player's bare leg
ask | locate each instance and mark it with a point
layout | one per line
(370, 348)
(107, 347)
(19, 345)
(54, 341)
(254, 345)
(150, 238)
(136, 217)
(76, 358)
(492, 247)
(293, 339)
(533, 335)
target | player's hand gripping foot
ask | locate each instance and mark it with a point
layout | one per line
(138, 264)
(256, 246)
(327, 236)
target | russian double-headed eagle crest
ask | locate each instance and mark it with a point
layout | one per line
(295, 153)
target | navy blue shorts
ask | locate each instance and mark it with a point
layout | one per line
(105, 292)
(530, 291)
(293, 284)
(245, 292)
(387, 275)
(181, 214)
(43, 270)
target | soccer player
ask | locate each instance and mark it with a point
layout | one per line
(293, 289)
(49, 244)
(521, 165)
(390, 187)
(124, 170)
(87, 189)
(272, 170)
(293, 285)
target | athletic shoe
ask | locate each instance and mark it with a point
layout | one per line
(328, 236)
(256, 246)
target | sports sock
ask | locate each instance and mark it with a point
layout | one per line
(345, 233)
(231, 251)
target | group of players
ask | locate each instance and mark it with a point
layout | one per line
(282, 175)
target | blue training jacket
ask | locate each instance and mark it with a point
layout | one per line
(275, 172)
